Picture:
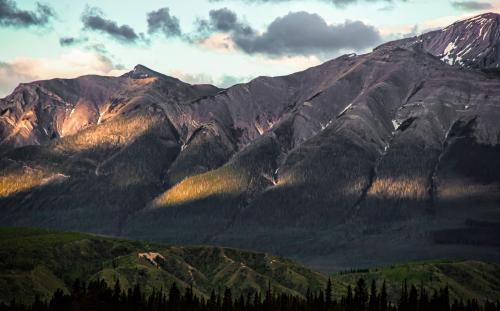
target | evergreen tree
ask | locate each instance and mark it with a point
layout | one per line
(212, 302)
(117, 291)
(349, 300)
(373, 304)
(328, 295)
(99, 296)
(360, 295)
(413, 299)
(403, 301)
(383, 298)
(423, 302)
(227, 301)
(174, 297)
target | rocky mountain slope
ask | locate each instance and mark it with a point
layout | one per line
(470, 43)
(378, 158)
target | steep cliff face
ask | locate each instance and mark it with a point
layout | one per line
(369, 159)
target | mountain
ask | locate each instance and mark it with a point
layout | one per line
(470, 43)
(36, 113)
(364, 160)
(39, 261)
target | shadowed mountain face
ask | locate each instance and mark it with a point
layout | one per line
(384, 157)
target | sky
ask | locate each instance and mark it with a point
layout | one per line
(222, 42)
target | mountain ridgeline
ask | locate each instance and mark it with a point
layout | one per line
(366, 159)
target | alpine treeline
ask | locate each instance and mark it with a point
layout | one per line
(97, 295)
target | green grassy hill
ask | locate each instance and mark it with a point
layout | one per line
(38, 261)
(466, 279)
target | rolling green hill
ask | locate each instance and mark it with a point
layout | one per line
(466, 279)
(38, 261)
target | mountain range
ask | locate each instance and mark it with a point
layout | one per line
(363, 160)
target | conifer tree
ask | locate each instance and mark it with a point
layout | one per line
(403, 300)
(360, 295)
(423, 302)
(383, 298)
(373, 304)
(413, 299)
(328, 295)
(227, 301)
(174, 297)
(349, 300)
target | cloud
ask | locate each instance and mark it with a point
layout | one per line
(302, 33)
(223, 20)
(11, 15)
(220, 42)
(223, 81)
(93, 47)
(93, 19)
(471, 5)
(162, 21)
(71, 41)
(297, 33)
(294, 63)
(192, 78)
(69, 65)
(337, 3)
(227, 80)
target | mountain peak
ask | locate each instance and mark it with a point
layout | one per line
(488, 16)
(481, 20)
(142, 72)
(471, 43)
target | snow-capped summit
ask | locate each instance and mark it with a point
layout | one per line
(471, 43)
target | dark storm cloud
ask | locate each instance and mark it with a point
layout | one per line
(93, 19)
(471, 5)
(223, 20)
(11, 15)
(298, 33)
(338, 3)
(70, 41)
(162, 21)
(305, 33)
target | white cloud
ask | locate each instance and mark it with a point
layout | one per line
(192, 78)
(69, 65)
(294, 63)
(393, 32)
(218, 42)
(222, 81)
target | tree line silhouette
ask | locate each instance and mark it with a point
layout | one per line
(97, 295)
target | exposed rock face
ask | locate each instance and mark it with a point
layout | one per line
(363, 160)
(40, 111)
(471, 43)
